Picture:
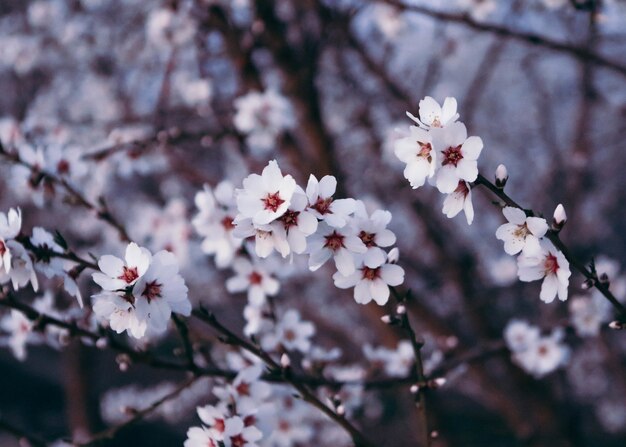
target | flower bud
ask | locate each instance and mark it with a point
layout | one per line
(617, 325)
(393, 255)
(587, 284)
(341, 410)
(102, 343)
(401, 309)
(502, 175)
(414, 388)
(285, 361)
(438, 382)
(559, 218)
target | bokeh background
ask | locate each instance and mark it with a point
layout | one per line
(143, 92)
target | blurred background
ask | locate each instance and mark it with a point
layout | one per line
(146, 98)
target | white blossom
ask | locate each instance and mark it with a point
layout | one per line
(253, 278)
(521, 232)
(371, 283)
(547, 263)
(431, 114)
(341, 244)
(335, 213)
(416, 150)
(460, 200)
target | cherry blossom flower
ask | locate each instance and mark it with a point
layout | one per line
(45, 244)
(10, 226)
(263, 117)
(291, 332)
(371, 283)
(214, 222)
(119, 312)
(519, 335)
(458, 159)
(433, 115)
(373, 232)
(521, 232)
(266, 197)
(253, 278)
(141, 293)
(460, 199)
(237, 434)
(587, 314)
(200, 437)
(296, 224)
(320, 194)
(545, 355)
(21, 270)
(266, 239)
(416, 150)
(339, 243)
(20, 330)
(246, 391)
(547, 263)
(160, 291)
(118, 274)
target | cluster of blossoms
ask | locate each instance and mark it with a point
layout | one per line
(438, 149)
(276, 215)
(140, 292)
(22, 257)
(536, 354)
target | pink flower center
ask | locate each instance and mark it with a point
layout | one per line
(219, 425)
(290, 335)
(152, 290)
(452, 156)
(370, 274)
(255, 278)
(322, 206)
(3, 248)
(369, 239)
(272, 202)
(283, 425)
(425, 149)
(227, 223)
(63, 167)
(334, 241)
(249, 420)
(551, 264)
(290, 219)
(129, 274)
(243, 389)
(237, 441)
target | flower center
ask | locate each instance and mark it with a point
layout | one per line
(290, 335)
(272, 202)
(369, 239)
(436, 122)
(129, 274)
(370, 274)
(290, 219)
(334, 241)
(152, 290)
(255, 278)
(452, 156)
(3, 248)
(249, 420)
(322, 206)
(243, 389)
(551, 264)
(284, 426)
(219, 425)
(522, 231)
(237, 441)
(227, 223)
(425, 149)
(63, 167)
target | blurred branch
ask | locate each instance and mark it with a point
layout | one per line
(137, 415)
(307, 395)
(21, 434)
(101, 210)
(520, 36)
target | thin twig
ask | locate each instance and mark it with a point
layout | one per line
(553, 236)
